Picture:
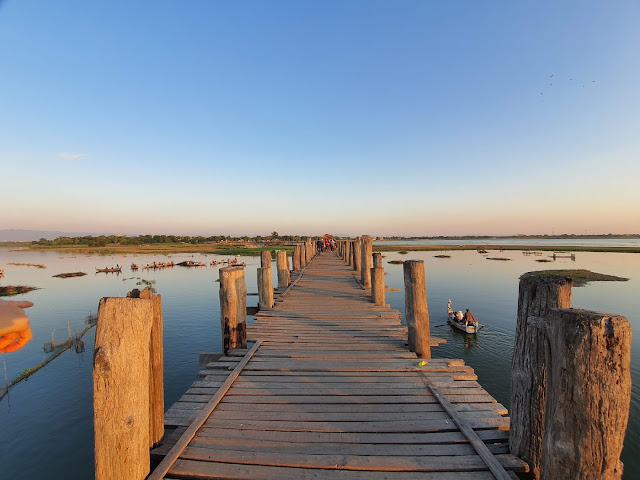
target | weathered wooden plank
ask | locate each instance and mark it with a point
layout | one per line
(367, 407)
(233, 471)
(353, 416)
(396, 426)
(354, 462)
(329, 389)
(488, 436)
(318, 448)
(353, 399)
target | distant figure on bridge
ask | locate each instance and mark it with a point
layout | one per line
(319, 245)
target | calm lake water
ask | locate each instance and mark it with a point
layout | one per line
(46, 426)
(556, 242)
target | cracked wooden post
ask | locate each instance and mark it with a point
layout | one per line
(296, 259)
(377, 260)
(377, 286)
(416, 312)
(309, 246)
(303, 255)
(121, 400)
(283, 269)
(357, 255)
(365, 271)
(265, 282)
(233, 308)
(570, 384)
(156, 367)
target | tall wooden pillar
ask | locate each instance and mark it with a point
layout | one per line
(416, 312)
(365, 271)
(283, 269)
(570, 383)
(233, 308)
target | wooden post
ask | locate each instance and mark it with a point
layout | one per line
(416, 312)
(265, 288)
(296, 259)
(156, 367)
(265, 282)
(283, 269)
(303, 255)
(309, 246)
(570, 384)
(377, 260)
(121, 361)
(377, 286)
(365, 271)
(233, 308)
(348, 254)
(357, 255)
(265, 259)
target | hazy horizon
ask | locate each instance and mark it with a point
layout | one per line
(395, 118)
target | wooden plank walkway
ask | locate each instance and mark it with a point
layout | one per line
(330, 390)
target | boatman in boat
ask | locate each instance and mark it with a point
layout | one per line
(468, 318)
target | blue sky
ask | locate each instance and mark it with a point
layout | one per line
(387, 117)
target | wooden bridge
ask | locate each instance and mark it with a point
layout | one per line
(329, 390)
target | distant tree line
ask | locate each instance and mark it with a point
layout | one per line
(104, 240)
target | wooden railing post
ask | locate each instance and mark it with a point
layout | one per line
(377, 260)
(283, 269)
(357, 255)
(296, 259)
(570, 372)
(365, 274)
(121, 387)
(156, 367)
(265, 282)
(348, 255)
(303, 255)
(233, 308)
(377, 286)
(309, 246)
(416, 312)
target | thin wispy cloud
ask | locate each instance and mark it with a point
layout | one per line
(72, 156)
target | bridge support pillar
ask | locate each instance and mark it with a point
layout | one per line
(416, 312)
(365, 271)
(282, 264)
(233, 308)
(570, 378)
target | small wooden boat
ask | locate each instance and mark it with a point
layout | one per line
(470, 328)
(108, 270)
(196, 264)
(134, 266)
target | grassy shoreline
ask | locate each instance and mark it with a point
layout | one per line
(164, 248)
(252, 249)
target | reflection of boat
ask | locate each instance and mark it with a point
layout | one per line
(462, 325)
(109, 270)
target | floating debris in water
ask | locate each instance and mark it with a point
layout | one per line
(15, 290)
(72, 274)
